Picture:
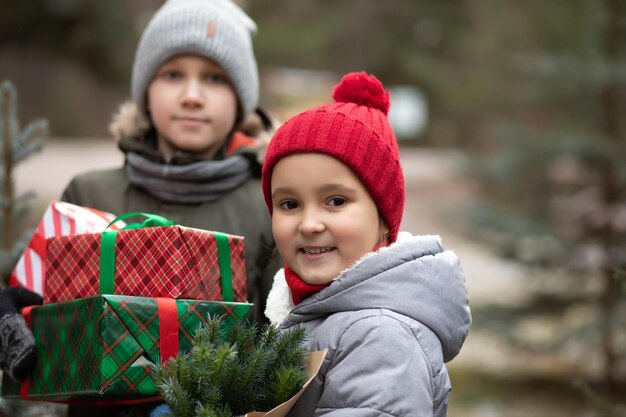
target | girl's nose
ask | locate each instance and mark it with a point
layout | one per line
(311, 222)
(192, 94)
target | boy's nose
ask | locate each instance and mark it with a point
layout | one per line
(311, 222)
(192, 94)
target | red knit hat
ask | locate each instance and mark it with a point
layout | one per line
(356, 131)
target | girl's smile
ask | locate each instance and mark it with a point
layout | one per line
(316, 251)
(317, 254)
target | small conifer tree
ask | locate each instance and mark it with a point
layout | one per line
(15, 145)
(235, 371)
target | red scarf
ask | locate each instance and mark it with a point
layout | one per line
(301, 289)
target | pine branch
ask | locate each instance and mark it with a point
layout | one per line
(253, 375)
(233, 371)
(212, 330)
(288, 345)
(288, 381)
(209, 411)
(177, 398)
(269, 336)
(210, 397)
(243, 335)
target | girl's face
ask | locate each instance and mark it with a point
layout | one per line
(193, 106)
(323, 217)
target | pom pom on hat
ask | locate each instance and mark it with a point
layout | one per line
(356, 131)
(363, 90)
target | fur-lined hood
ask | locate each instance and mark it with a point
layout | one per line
(129, 122)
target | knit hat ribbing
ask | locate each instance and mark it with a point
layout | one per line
(216, 29)
(355, 130)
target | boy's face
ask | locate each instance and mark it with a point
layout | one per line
(323, 217)
(192, 105)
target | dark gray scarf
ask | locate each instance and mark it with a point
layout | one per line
(197, 182)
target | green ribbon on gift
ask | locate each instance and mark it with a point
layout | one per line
(223, 258)
(107, 253)
(107, 246)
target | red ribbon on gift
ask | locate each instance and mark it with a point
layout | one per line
(168, 327)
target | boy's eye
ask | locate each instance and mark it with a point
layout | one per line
(171, 75)
(216, 78)
(289, 205)
(337, 201)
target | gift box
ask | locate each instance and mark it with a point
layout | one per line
(160, 261)
(103, 349)
(59, 219)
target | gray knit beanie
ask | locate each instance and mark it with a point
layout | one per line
(216, 29)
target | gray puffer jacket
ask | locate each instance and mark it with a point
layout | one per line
(389, 322)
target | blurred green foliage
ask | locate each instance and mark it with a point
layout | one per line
(554, 185)
(92, 33)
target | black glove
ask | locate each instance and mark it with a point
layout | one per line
(17, 344)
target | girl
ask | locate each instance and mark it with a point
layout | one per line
(390, 307)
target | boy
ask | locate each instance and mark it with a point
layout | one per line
(194, 82)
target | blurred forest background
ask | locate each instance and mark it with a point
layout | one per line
(529, 97)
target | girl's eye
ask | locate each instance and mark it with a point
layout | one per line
(337, 201)
(289, 205)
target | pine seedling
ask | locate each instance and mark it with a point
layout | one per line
(233, 371)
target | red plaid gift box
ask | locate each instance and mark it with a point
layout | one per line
(59, 219)
(172, 261)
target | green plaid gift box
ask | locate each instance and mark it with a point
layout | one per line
(103, 348)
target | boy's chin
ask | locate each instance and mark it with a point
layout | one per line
(200, 152)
